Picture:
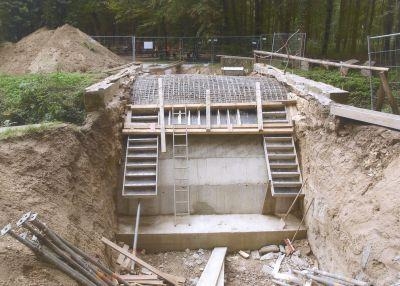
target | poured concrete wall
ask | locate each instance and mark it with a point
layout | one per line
(227, 174)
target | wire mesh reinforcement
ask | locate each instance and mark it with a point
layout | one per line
(384, 51)
(189, 89)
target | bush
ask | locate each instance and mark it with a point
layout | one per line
(37, 98)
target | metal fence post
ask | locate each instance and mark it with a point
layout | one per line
(370, 74)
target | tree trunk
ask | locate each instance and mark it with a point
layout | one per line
(328, 21)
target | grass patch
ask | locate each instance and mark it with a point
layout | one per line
(15, 131)
(37, 98)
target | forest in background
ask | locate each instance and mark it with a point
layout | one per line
(335, 28)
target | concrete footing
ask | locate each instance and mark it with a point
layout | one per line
(236, 231)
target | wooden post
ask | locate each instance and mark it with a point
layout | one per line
(388, 92)
(161, 112)
(380, 97)
(208, 110)
(259, 107)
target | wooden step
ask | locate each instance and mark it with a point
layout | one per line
(141, 156)
(283, 165)
(141, 173)
(143, 139)
(279, 147)
(142, 147)
(284, 174)
(287, 184)
(140, 184)
(277, 139)
(141, 165)
(289, 156)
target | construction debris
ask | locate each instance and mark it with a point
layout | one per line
(268, 248)
(244, 254)
(46, 244)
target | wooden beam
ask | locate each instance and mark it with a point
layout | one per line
(240, 105)
(380, 98)
(208, 110)
(281, 130)
(161, 115)
(269, 204)
(259, 106)
(388, 92)
(365, 115)
(321, 62)
(323, 92)
(211, 272)
(175, 280)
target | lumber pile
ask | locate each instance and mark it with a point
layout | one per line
(157, 278)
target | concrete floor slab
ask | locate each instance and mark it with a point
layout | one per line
(236, 231)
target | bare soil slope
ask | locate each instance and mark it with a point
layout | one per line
(353, 175)
(69, 176)
(63, 49)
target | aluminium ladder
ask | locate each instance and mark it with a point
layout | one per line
(180, 162)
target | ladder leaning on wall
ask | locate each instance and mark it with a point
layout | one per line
(180, 151)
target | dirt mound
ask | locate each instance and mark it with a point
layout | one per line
(63, 49)
(68, 175)
(353, 174)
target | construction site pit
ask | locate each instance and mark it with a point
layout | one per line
(211, 161)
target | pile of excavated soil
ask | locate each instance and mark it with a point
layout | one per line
(63, 49)
(352, 172)
(68, 175)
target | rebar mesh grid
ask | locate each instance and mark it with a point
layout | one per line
(190, 89)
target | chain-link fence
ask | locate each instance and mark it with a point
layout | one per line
(384, 51)
(198, 49)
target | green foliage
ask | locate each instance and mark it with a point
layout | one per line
(357, 85)
(36, 98)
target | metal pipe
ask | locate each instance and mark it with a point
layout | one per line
(85, 271)
(339, 277)
(56, 240)
(326, 281)
(46, 255)
(94, 262)
(135, 238)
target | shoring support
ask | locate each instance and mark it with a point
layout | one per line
(135, 238)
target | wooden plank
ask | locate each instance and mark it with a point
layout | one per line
(321, 62)
(211, 272)
(365, 115)
(278, 264)
(388, 92)
(259, 106)
(121, 257)
(128, 117)
(208, 110)
(380, 98)
(240, 105)
(128, 277)
(175, 280)
(221, 277)
(269, 204)
(161, 113)
(281, 130)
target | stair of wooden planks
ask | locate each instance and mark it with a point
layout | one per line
(282, 165)
(276, 114)
(141, 165)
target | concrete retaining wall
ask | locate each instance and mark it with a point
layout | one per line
(227, 174)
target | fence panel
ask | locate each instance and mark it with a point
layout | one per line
(384, 50)
(198, 49)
